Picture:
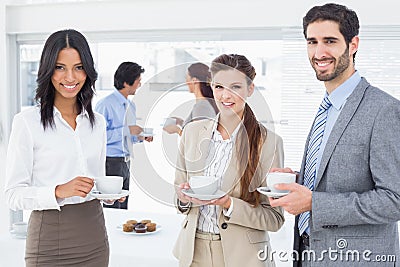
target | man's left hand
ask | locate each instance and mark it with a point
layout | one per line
(297, 201)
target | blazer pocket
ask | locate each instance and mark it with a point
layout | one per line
(351, 150)
(257, 236)
(362, 244)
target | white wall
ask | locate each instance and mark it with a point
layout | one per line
(180, 14)
(3, 115)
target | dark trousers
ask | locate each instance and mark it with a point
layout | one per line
(118, 167)
(302, 261)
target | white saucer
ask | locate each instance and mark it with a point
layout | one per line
(98, 195)
(158, 229)
(190, 193)
(146, 134)
(19, 235)
(266, 191)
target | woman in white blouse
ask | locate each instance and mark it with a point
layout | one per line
(230, 230)
(55, 150)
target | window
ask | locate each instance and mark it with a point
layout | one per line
(285, 82)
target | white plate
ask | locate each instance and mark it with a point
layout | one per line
(19, 235)
(158, 229)
(98, 195)
(266, 191)
(190, 193)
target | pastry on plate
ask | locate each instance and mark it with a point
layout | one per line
(140, 228)
(127, 227)
(145, 221)
(151, 227)
(133, 222)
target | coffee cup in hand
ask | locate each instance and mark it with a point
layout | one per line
(204, 185)
(274, 178)
(169, 121)
(148, 131)
(109, 184)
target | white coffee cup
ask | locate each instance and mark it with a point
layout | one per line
(274, 178)
(148, 131)
(204, 185)
(169, 121)
(20, 228)
(109, 184)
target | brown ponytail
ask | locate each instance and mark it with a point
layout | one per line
(249, 143)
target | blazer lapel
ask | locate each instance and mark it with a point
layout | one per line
(204, 137)
(341, 123)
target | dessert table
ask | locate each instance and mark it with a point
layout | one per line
(138, 249)
(125, 249)
(141, 250)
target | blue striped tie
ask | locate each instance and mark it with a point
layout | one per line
(310, 170)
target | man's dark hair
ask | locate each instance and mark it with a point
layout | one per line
(127, 72)
(346, 18)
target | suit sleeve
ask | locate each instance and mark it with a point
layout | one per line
(380, 205)
(263, 217)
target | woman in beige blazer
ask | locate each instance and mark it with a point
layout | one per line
(231, 230)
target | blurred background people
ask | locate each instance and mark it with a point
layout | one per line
(122, 131)
(198, 82)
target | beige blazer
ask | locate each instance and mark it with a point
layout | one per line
(246, 232)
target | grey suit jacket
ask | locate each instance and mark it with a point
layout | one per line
(356, 201)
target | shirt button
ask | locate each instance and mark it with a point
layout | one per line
(224, 225)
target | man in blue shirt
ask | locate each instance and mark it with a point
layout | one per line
(122, 131)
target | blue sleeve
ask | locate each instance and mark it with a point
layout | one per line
(114, 134)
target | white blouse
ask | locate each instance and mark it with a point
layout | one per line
(218, 159)
(38, 160)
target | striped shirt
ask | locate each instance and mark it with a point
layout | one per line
(218, 159)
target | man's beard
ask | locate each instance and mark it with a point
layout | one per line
(343, 64)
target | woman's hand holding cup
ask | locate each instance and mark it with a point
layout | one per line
(79, 186)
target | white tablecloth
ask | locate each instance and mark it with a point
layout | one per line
(125, 250)
(146, 250)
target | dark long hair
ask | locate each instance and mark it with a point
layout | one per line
(252, 136)
(45, 91)
(201, 72)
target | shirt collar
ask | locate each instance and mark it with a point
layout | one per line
(217, 135)
(339, 96)
(120, 98)
(56, 112)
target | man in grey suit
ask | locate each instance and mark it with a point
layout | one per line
(347, 197)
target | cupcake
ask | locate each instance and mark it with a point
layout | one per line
(145, 221)
(126, 227)
(133, 222)
(140, 228)
(151, 227)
